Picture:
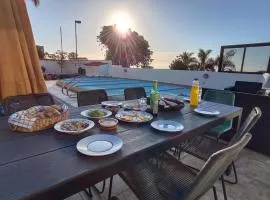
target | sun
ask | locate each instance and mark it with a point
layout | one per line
(122, 21)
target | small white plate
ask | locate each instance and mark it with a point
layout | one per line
(99, 145)
(167, 126)
(58, 125)
(207, 112)
(86, 113)
(111, 103)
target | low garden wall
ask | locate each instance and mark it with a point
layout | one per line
(214, 80)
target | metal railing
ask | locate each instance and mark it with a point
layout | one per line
(70, 84)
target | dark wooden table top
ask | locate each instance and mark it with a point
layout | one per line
(46, 165)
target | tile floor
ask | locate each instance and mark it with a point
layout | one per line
(253, 172)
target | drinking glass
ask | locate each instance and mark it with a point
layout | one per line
(143, 104)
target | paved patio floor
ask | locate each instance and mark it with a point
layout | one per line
(253, 173)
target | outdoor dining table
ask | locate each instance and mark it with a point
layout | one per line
(46, 164)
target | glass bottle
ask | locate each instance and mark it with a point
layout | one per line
(194, 93)
(154, 98)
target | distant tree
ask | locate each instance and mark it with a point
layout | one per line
(72, 55)
(227, 63)
(204, 60)
(40, 51)
(185, 61)
(147, 67)
(126, 49)
(210, 65)
(61, 58)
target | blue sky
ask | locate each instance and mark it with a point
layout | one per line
(170, 26)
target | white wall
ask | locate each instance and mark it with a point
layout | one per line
(71, 67)
(215, 80)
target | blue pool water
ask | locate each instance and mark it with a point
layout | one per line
(116, 86)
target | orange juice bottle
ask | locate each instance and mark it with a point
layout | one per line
(194, 93)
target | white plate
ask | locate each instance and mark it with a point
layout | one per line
(207, 112)
(187, 99)
(99, 145)
(148, 117)
(167, 125)
(111, 103)
(85, 113)
(58, 125)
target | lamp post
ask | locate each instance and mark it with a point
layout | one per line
(76, 22)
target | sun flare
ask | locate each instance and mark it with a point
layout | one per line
(122, 21)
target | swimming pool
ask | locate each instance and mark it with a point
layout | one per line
(116, 86)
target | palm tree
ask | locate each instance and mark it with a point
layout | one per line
(204, 60)
(188, 59)
(185, 61)
(227, 63)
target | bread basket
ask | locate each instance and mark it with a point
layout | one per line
(28, 121)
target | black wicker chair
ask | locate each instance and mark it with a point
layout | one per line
(134, 93)
(246, 87)
(173, 180)
(203, 147)
(91, 97)
(21, 102)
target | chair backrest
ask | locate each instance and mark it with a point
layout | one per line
(215, 167)
(91, 97)
(247, 125)
(134, 93)
(247, 87)
(223, 97)
(220, 96)
(21, 102)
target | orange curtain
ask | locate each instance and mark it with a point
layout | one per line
(20, 71)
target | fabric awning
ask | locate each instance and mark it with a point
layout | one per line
(20, 71)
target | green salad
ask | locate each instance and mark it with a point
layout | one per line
(96, 113)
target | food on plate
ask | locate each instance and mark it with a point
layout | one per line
(113, 109)
(132, 106)
(74, 125)
(96, 113)
(170, 104)
(134, 116)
